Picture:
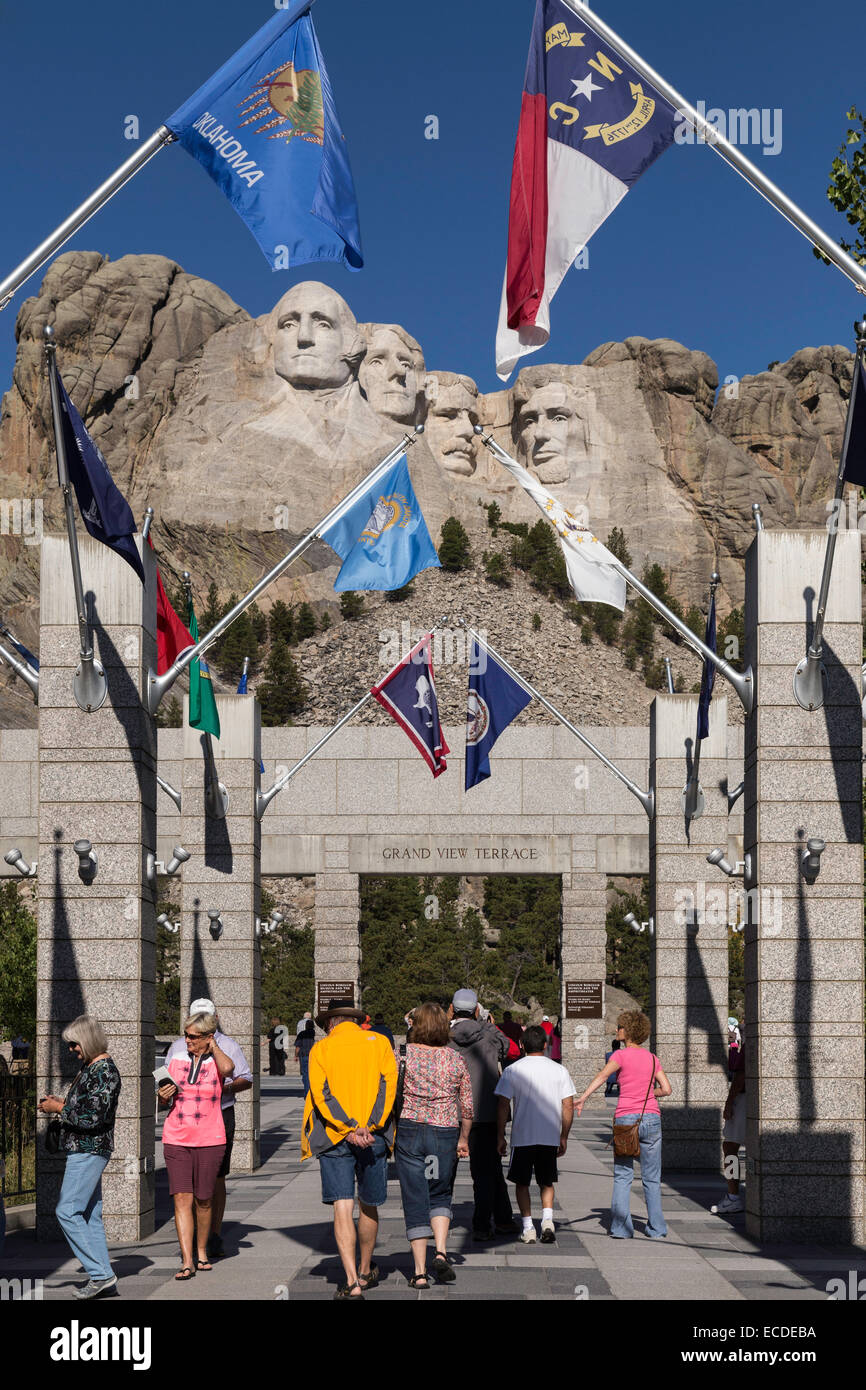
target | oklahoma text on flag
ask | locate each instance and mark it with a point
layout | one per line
(589, 126)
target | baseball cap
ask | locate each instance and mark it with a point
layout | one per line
(202, 1006)
(465, 1001)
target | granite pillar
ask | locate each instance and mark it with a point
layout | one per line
(804, 940)
(691, 903)
(96, 936)
(584, 1040)
(337, 910)
(224, 873)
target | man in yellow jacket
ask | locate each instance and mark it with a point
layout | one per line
(349, 1127)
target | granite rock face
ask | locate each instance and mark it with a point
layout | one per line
(241, 432)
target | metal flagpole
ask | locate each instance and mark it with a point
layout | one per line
(158, 685)
(810, 676)
(22, 669)
(742, 682)
(693, 796)
(162, 136)
(89, 685)
(646, 799)
(729, 153)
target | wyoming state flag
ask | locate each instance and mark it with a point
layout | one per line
(589, 126)
(408, 693)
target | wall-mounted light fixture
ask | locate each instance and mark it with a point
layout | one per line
(265, 928)
(717, 857)
(15, 857)
(632, 921)
(216, 926)
(810, 864)
(88, 860)
(163, 920)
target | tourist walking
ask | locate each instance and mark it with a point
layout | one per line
(432, 1133)
(733, 1137)
(542, 1093)
(240, 1079)
(484, 1050)
(86, 1137)
(277, 1048)
(353, 1073)
(641, 1081)
(304, 1044)
(380, 1026)
(194, 1136)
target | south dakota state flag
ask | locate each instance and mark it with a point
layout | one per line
(382, 538)
(495, 699)
(408, 693)
(265, 128)
(589, 126)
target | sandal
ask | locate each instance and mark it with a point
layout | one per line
(345, 1291)
(419, 1281)
(369, 1281)
(203, 1264)
(186, 1273)
(442, 1268)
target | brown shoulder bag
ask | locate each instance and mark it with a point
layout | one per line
(626, 1143)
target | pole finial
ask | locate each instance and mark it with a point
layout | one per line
(48, 332)
(757, 517)
(860, 329)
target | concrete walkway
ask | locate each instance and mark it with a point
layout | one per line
(279, 1241)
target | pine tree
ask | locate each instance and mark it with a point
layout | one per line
(494, 516)
(398, 595)
(351, 605)
(211, 613)
(17, 962)
(281, 623)
(325, 621)
(616, 544)
(170, 716)
(536, 622)
(496, 570)
(305, 622)
(259, 622)
(454, 553)
(238, 642)
(282, 692)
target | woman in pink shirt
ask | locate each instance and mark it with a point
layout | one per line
(194, 1136)
(641, 1079)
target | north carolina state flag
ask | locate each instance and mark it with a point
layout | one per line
(171, 635)
(589, 126)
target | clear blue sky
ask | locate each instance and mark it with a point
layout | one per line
(692, 253)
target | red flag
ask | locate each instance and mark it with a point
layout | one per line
(171, 635)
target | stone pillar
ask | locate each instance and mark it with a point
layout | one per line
(584, 908)
(691, 903)
(337, 943)
(96, 939)
(804, 941)
(224, 872)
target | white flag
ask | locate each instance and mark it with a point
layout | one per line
(591, 567)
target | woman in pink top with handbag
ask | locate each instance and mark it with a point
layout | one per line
(194, 1135)
(641, 1080)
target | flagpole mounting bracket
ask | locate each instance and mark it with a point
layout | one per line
(810, 682)
(694, 802)
(89, 685)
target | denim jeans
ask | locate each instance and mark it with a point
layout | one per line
(426, 1156)
(79, 1212)
(650, 1136)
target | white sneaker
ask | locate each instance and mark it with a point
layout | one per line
(528, 1237)
(548, 1233)
(729, 1203)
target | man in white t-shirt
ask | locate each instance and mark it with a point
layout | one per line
(543, 1095)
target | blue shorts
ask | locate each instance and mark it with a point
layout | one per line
(345, 1162)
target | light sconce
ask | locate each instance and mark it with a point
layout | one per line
(631, 921)
(14, 856)
(88, 860)
(163, 920)
(717, 857)
(216, 926)
(265, 928)
(810, 864)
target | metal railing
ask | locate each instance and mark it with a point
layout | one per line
(17, 1136)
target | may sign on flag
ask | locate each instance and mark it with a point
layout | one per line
(589, 126)
(265, 128)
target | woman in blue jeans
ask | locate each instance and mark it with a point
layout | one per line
(641, 1081)
(87, 1138)
(432, 1133)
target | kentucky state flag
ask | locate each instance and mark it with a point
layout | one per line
(104, 509)
(495, 699)
(408, 693)
(382, 538)
(854, 466)
(708, 677)
(589, 126)
(265, 128)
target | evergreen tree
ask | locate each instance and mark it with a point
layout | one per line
(398, 595)
(454, 553)
(17, 962)
(536, 622)
(731, 638)
(288, 973)
(282, 692)
(167, 1015)
(281, 623)
(305, 622)
(259, 622)
(528, 912)
(210, 614)
(239, 642)
(169, 716)
(496, 570)
(325, 621)
(606, 622)
(494, 516)
(616, 544)
(351, 605)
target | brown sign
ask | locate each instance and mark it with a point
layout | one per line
(327, 992)
(584, 999)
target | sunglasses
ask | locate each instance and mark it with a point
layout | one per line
(72, 1046)
(196, 1036)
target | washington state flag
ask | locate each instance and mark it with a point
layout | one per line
(203, 713)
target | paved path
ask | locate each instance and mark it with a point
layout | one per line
(280, 1245)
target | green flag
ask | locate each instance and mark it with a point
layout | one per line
(202, 702)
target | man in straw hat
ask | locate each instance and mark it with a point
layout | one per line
(348, 1125)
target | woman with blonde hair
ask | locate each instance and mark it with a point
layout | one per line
(194, 1135)
(641, 1081)
(87, 1139)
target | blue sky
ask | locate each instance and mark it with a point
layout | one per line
(692, 253)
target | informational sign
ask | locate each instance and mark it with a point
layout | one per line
(328, 991)
(584, 999)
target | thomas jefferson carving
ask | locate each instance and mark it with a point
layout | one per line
(392, 373)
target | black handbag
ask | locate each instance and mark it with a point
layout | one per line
(52, 1136)
(397, 1107)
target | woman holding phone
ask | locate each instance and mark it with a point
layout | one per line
(194, 1136)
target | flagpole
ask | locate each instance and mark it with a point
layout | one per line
(728, 152)
(158, 685)
(264, 799)
(89, 685)
(809, 676)
(693, 796)
(646, 799)
(22, 669)
(741, 681)
(46, 249)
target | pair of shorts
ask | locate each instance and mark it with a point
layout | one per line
(229, 1122)
(540, 1158)
(734, 1131)
(345, 1164)
(193, 1170)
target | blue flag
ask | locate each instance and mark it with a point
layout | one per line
(265, 128)
(408, 693)
(382, 539)
(708, 678)
(495, 699)
(854, 467)
(104, 509)
(242, 690)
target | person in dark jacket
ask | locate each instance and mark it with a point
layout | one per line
(304, 1044)
(484, 1049)
(380, 1026)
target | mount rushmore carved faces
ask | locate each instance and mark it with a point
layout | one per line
(549, 431)
(452, 415)
(392, 373)
(317, 343)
